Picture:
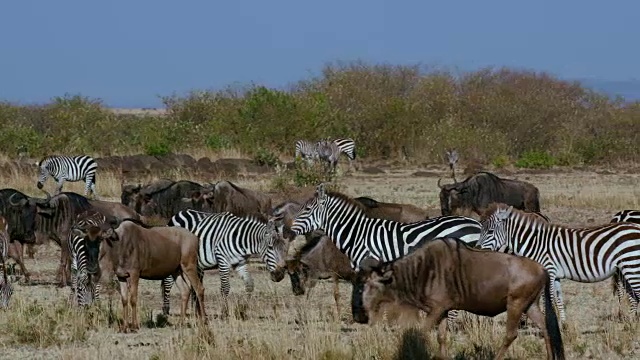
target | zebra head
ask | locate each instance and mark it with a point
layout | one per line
(312, 214)
(43, 172)
(494, 229)
(273, 251)
(84, 290)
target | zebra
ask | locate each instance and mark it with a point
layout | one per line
(227, 241)
(84, 281)
(6, 289)
(579, 254)
(307, 150)
(69, 168)
(347, 146)
(329, 152)
(186, 219)
(620, 285)
(358, 236)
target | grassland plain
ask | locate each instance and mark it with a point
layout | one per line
(278, 325)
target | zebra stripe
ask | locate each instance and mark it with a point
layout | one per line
(226, 241)
(347, 146)
(85, 287)
(620, 285)
(6, 289)
(584, 255)
(69, 168)
(306, 150)
(358, 236)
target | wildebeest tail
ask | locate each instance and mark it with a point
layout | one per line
(551, 322)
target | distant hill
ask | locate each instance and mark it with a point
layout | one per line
(628, 89)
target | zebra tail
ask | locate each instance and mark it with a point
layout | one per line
(551, 322)
(614, 283)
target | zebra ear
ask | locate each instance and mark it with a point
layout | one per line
(504, 214)
(320, 191)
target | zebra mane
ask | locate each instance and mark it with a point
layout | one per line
(256, 218)
(347, 199)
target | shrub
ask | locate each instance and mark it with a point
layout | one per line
(265, 157)
(535, 160)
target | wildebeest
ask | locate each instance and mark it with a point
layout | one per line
(226, 196)
(476, 192)
(130, 192)
(163, 201)
(447, 274)
(20, 212)
(132, 250)
(397, 212)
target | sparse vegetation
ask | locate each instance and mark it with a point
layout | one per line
(391, 112)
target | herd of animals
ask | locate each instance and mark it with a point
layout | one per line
(392, 254)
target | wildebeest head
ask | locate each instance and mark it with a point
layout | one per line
(129, 192)
(20, 212)
(201, 200)
(377, 277)
(450, 197)
(312, 213)
(273, 251)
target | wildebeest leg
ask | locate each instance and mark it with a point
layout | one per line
(336, 295)
(436, 316)
(181, 283)
(190, 270)
(124, 295)
(15, 252)
(133, 299)
(535, 314)
(31, 252)
(442, 334)
(515, 308)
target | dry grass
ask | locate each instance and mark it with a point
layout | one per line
(278, 325)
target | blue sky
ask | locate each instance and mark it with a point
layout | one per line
(129, 52)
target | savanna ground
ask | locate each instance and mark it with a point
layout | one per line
(278, 325)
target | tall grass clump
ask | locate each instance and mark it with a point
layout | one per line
(494, 115)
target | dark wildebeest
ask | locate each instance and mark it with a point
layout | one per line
(226, 196)
(132, 250)
(20, 212)
(6, 289)
(56, 219)
(391, 211)
(446, 274)
(478, 191)
(130, 192)
(163, 201)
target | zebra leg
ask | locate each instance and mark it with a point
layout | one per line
(556, 296)
(166, 284)
(224, 270)
(242, 270)
(633, 292)
(451, 318)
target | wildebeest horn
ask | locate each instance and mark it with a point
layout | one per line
(440, 186)
(48, 195)
(369, 263)
(19, 203)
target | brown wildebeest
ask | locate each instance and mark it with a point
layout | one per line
(405, 213)
(133, 251)
(446, 274)
(476, 192)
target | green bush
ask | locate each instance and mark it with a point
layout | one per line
(535, 160)
(490, 115)
(265, 157)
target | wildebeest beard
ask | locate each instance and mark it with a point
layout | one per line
(357, 307)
